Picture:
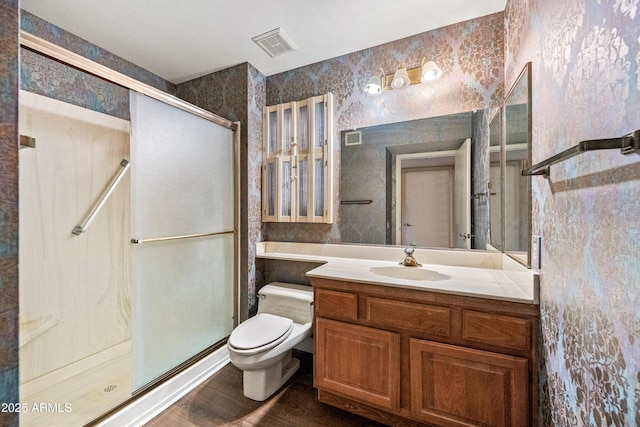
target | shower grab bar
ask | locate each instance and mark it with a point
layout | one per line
(79, 229)
(185, 236)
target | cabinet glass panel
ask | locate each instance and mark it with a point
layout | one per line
(286, 188)
(271, 188)
(287, 130)
(273, 131)
(319, 124)
(303, 128)
(303, 187)
(319, 187)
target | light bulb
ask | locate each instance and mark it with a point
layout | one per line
(401, 78)
(430, 72)
(373, 87)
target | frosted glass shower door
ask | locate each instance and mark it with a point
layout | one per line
(182, 183)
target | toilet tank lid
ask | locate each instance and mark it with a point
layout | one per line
(289, 290)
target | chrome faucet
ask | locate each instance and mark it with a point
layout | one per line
(409, 260)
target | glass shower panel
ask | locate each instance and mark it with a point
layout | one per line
(182, 183)
(188, 302)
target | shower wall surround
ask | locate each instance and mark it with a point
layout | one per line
(585, 58)
(68, 280)
(9, 389)
(471, 55)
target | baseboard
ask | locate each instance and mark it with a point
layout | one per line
(152, 403)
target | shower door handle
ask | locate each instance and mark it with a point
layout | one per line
(185, 236)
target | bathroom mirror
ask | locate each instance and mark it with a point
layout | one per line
(517, 156)
(495, 181)
(383, 168)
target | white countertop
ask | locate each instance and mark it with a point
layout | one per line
(470, 273)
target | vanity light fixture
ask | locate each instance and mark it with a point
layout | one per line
(402, 78)
(375, 85)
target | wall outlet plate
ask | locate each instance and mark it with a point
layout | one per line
(536, 251)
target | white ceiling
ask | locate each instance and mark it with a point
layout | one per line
(182, 40)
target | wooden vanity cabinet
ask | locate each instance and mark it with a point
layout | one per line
(412, 357)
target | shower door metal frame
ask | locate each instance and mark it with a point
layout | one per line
(67, 57)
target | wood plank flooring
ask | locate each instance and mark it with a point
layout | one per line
(219, 402)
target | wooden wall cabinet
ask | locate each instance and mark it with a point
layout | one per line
(298, 161)
(408, 357)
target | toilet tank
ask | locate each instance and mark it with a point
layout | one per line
(287, 300)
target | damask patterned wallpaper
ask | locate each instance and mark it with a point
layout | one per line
(470, 54)
(585, 58)
(41, 28)
(9, 391)
(44, 76)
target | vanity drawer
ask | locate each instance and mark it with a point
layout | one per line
(504, 331)
(336, 304)
(421, 318)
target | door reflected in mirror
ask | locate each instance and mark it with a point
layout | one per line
(433, 197)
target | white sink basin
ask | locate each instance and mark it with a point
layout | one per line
(409, 273)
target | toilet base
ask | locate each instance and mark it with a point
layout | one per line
(259, 385)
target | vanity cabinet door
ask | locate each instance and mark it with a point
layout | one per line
(358, 362)
(457, 386)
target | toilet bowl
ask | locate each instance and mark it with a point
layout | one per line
(262, 345)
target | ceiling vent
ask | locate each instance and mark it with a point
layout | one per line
(275, 42)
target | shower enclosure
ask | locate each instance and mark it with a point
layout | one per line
(182, 221)
(127, 270)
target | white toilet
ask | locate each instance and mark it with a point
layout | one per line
(261, 346)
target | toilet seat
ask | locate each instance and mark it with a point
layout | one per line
(260, 333)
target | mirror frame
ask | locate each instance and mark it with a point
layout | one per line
(498, 244)
(524, 74)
